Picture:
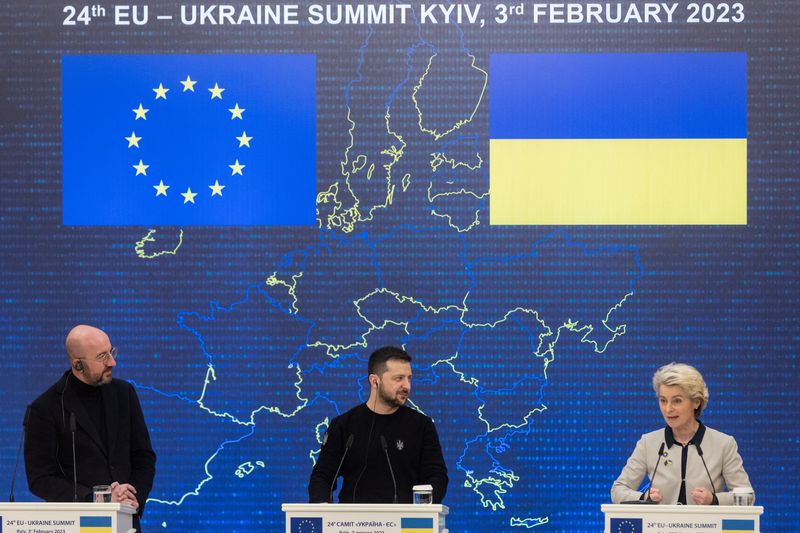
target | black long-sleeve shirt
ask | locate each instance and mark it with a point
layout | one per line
(118, 450)
(413, 447)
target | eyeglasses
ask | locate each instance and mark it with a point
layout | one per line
(103, 357)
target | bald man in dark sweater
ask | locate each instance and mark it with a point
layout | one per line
(112, 443)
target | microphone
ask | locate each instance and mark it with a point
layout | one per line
(21, 439)
(658, 462)
(391, 471)
(347, 446)
(73, 429)
(647, 500)
(700, 453)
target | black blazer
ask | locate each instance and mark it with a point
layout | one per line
(128, 457)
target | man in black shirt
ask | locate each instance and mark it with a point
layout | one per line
(112, 444)
(411, 439)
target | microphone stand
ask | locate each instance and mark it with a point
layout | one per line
(391, 471)
(73, 429)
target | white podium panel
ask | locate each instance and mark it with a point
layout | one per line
(364, 518)
(681, 518)
(65, 517)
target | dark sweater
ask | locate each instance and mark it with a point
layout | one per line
(413, 447)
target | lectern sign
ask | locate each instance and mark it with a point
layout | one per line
(357, 518)
(681, 519)
(65, 518)
(357, 523)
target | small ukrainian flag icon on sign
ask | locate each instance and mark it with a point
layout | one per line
(416, 525)
(96, 524)
(738, 526)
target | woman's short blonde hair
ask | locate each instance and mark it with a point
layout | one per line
(686, 377)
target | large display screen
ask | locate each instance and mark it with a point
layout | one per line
(251, 198)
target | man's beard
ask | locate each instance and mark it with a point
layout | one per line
(391, 400)
(102, 379)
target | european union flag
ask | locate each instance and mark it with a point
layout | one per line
(306, 525)
(626, 525)
(189, 140)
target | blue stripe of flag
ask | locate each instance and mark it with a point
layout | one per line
(618, 96)
(742, 525)
(95, 521)
(416, 522)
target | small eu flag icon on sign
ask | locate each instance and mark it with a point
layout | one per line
(306, 525)
(626, 525)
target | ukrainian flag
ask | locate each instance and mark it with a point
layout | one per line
(95, 524)
(416, 525)
(618, 138)
(738, 526)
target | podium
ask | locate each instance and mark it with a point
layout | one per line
(681, 518)
(364, 518)
(66, 517)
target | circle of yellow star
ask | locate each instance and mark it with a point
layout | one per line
(133, 140)
(188, 196)
(236, 168)
(141, 113)
(216, 91)
(236, 112)
(161, 189)
(161, 91)
(141, 168)
(244, 140)
(188, 84)
(216, 189)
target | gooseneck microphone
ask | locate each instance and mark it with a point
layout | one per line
(347, 446)
(391, 471)
(700, 453)
(652, 479)
(21, 440)
(647, 499)
(73, 429)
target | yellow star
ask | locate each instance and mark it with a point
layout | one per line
(161, 91)
(161, 189)
(236, 168)
(216, 91)
(133, 140)
(244, 140)
(141, 113)
(237, 111)
(216, 189)
(188, 84)
(141, 168)
(188, 196)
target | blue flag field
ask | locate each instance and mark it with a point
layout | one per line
(189, 140)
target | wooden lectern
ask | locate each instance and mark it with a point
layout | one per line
(364, 518)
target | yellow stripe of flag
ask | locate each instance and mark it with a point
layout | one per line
(618, 181)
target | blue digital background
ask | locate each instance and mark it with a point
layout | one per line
(242, 341)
